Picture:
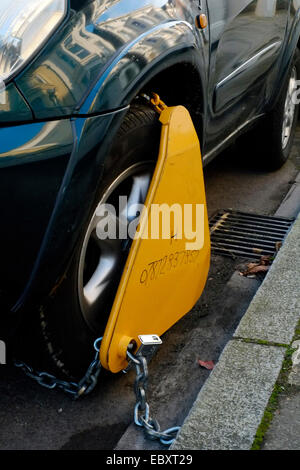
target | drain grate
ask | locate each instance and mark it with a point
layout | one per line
(238, 234)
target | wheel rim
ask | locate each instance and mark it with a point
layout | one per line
(101, 261)
(289, 109)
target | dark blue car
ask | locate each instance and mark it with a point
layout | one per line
(76, 129)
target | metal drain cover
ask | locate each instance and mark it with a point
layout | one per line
(238, 234)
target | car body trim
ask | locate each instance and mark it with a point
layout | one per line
(210, 155)
(248, 63)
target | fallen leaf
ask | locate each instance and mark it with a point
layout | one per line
(207, 364)
(261, 267)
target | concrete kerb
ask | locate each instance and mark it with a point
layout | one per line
(231, 404)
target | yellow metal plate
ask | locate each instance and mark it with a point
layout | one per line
(163, 278)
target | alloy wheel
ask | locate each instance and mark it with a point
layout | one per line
(102, 260)
(289, 109)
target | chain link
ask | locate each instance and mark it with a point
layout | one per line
(76, 390)
(88, 382)
(142, 416)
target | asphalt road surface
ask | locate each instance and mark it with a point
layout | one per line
(35, 418)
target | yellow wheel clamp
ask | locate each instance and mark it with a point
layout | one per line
(165, 273)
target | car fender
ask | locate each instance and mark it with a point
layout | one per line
(139, 62)
(96, 61)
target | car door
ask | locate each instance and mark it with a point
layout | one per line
(246, 38)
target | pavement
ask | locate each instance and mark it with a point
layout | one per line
(229, 412)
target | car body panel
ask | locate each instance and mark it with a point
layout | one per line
(74, 199)
(33, 160)
(169, 43)
(246, 46)
(13, 107)
(61, 77)
(246, 38)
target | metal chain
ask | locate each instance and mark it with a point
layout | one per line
(88, 382)
(142, 416)
(83, 387)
